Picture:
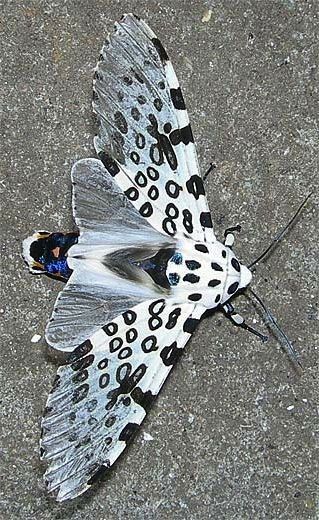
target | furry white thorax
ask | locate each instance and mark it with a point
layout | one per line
(207, 269)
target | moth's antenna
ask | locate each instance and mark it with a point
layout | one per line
(278, 237)
(272, 322)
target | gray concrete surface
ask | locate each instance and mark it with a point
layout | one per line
(234, 428)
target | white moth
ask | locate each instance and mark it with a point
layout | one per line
(142, 271)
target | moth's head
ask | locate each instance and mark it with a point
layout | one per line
(238, 275)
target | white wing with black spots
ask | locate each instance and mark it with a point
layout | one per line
(145, 140)
(101, 396)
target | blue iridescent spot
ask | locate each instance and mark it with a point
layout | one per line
(59, 267)
(177, 259)
(173, 278)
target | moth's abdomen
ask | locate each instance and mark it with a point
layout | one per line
(46, 253)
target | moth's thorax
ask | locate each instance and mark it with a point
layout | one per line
(209, 273)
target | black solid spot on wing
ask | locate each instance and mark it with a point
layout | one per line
(80, 393)
(132, 193)
(155, 322)
(103, 363)
(158, 104)
(177, 98)
(141, 179)
(172, 318)
(141, 99)
(128, 432)
(171, 354)
(140, 141)
(201, 247)
(224, 254)
(182, 135)
(129, 317)
(160, 50)
(195, 297)
(82, 363)
(192, 265)
(152, 119)
(135, 114)
(115, 344)
(171, 210)
(153, 193)
(120, 122)
(131, 335)
(138, 77)
(152, 173)
(161, 85)
(80, 351)
(146, 210)
(206, 219)
(127, 80)
(110, 421)
(187, 134)
(149, 344)
(172, 189)
(190, 325)
(213, 283)
(233, 288)
(216, 267)
(217, 298)
(166, 147)
(111, 328)
(118, 139)
(167, 128)
(195, 186)
(155, 308)
(80, 376)
(72, 417)
(188, 221)
(120, 96)
(191, 278)
(235, 264)
(125, 353)
(156, 154)
(175, 137)
(126, 401)
(144, 399)
(104, 380)
(135, 157)
(169, 226)
(109, 163)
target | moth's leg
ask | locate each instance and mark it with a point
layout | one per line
(239, 321)
(212, 167)
(229, 237)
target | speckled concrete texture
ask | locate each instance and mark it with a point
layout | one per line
(234, 427)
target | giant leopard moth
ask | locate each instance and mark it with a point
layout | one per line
(140, 273)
